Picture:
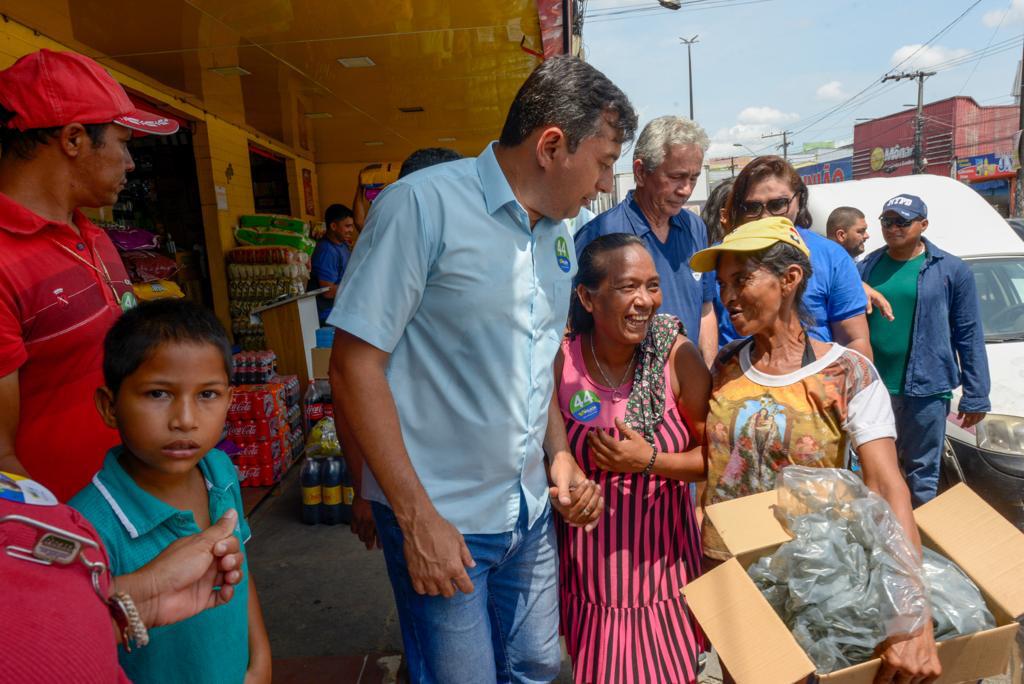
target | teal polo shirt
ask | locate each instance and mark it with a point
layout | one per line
(135, 527)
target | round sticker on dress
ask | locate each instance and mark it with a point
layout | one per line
(585, 405)
(562, 252)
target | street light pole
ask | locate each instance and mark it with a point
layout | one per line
(1018, 194)
(689, 66)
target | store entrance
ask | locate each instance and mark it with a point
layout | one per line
(269, 182)
(162, 197)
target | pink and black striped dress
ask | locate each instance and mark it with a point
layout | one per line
(622, 615)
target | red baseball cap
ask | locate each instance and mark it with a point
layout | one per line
(47, 89)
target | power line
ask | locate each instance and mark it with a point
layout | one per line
(991, 38)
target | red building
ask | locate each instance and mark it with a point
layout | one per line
(960, 139)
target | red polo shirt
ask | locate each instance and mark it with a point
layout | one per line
(54, 312)
(54, 627)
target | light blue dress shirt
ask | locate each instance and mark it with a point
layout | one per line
(471, 304)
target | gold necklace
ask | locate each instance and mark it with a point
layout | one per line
(616, 397)
(127, 300)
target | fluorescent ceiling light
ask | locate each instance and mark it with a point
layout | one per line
(231, 71)
(319, 115)
(446, 139)
(373, 143)
(356, 62)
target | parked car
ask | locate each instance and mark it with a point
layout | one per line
(990, 457)
(1017, 225)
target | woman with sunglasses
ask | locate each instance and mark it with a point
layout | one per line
(781, 398)
(835, 297)
(633, 392)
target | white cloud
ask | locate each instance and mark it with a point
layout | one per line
(925, 58)
(1013, 15)
(765, 116)
(751, 124)
(833, 91)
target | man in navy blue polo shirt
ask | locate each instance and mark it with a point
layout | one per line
(330, 258)
(667, 161)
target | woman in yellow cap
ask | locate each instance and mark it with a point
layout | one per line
(780, 397)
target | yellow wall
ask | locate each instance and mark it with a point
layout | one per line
(217, 143)
(338, 181)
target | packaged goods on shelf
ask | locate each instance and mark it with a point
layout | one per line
(264, 419)
(257, 275)
(267, 255)
(276, 238)
(273, 222)
(145, 266)
(160, 289)
(129, 238)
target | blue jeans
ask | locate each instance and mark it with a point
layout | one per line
(506, 630)
(920, 435)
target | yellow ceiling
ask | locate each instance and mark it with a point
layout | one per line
(460, 60)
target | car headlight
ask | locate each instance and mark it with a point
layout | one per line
(1002, 434)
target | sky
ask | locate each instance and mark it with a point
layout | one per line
(762, 66)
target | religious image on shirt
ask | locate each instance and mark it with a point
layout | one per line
(767, 433)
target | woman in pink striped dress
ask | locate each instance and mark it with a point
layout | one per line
(633, 393)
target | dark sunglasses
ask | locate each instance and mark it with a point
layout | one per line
(900, 222)
(774, 207)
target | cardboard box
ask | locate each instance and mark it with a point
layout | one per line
(757, 648)
(321, 362)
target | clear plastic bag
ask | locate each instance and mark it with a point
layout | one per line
(957, 605)
(849, 579)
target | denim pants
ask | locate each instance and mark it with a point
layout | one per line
(506, 630)
(920, 435)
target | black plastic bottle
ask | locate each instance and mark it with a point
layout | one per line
(310, 480)
(333, 473)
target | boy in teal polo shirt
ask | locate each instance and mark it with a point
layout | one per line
(167, 369)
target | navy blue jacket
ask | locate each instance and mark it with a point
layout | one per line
(947, 327)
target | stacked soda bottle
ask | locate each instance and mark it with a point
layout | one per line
(327, 490)
(264, 420)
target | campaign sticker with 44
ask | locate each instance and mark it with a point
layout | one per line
(585, 405)
(562, 253)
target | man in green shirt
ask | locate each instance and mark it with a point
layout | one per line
(932, 344)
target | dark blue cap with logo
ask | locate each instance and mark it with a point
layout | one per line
(908, 206)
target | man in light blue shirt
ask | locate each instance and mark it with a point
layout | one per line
(449, 317)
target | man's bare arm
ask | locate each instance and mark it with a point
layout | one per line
(435, 552)
(10, 414)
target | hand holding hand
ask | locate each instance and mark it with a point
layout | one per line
(577, 499)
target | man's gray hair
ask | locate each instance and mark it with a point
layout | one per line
(665, 132)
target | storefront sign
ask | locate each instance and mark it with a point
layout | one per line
(984, 166)
(897, 155)
(307, 191)
(833, 171)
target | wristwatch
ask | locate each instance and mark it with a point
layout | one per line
(133, 632)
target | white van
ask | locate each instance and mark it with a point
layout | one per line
(989, 458)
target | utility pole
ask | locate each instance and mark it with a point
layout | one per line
(785, 141)
(1018, 194)
(688, 42)
(732, 167)
(919, 118)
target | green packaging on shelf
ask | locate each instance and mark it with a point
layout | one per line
(272, 222)
(277, 238)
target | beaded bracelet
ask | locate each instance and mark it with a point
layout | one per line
(650, 464)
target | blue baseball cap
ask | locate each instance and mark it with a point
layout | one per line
(908, 206)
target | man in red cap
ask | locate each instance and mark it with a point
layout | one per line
(65, 124)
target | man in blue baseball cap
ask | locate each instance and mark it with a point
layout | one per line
(933, 344)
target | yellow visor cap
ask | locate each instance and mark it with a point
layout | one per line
(750, 237)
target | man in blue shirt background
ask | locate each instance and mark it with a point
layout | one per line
(667, 162)
(449, 318)
(331, 256)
